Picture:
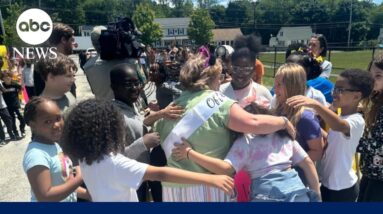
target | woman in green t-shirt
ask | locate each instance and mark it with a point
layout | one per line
(212, 138)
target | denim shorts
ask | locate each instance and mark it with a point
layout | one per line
(284, 186)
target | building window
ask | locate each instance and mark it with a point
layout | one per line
(168, 43)
(181, 31)
(170, 32)
(281, 33)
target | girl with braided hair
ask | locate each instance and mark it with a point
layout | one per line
(50, 172)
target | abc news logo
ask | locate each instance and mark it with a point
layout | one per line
(34, 31)
(34, 26)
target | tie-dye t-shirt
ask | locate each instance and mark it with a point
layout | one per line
(253, 93)
(260, 155)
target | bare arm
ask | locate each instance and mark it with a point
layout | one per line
(242, 121)
(172, 111)
(332, 119)
(311, 175)
(316, 147)
(174, 175)
(40, 179)
(215, 165)
(83, 194)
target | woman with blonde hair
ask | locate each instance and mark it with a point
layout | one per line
(290, 80)
(207, 123)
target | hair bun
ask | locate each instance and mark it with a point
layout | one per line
(252, 42)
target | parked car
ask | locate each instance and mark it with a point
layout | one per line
(90, 52)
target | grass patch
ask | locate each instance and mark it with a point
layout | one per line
(339, 59)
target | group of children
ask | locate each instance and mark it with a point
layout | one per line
(94, 137)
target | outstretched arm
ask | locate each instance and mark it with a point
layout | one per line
(215, 165)
(242, 121)
(333, 120)
(172, 111)
(169, 174)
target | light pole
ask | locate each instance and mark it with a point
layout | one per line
(349, 26)
(2, 27)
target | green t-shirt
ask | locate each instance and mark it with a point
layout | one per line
(213, 138)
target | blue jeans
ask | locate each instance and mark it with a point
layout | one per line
(285, 186)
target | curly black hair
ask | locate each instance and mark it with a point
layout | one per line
(93, 128)
(246, 47)
(360, 80)
(30, 110)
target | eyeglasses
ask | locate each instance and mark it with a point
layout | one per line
(247, 70)
(342, 90)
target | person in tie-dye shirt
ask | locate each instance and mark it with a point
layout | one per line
(269, 160)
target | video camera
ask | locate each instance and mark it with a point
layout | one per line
(224, 52)
(120, 40)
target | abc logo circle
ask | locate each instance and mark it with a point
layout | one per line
(34, 26)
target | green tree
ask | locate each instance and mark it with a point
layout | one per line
(376, 20)
(240, 14)
(309, 12)
(200, 27)
(207, 3)
(271, 16)
(144, 19)
(188, 8)
(217, 13)
(100, 12)
(70, 12)
(182, 8)
(10, 37)
(360, 21)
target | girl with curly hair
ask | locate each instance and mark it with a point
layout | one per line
(50, 172)
(94, 134)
